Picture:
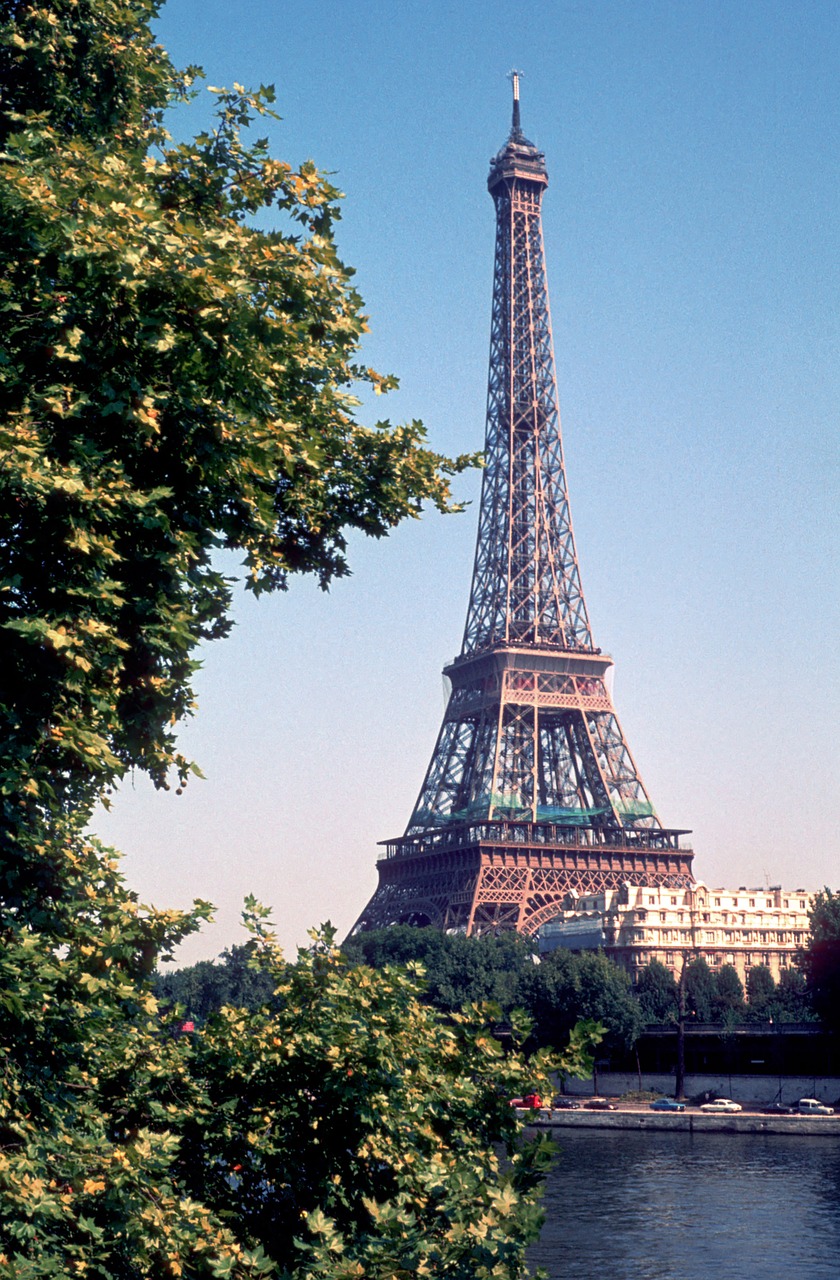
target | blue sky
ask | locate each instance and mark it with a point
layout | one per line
(692, 244)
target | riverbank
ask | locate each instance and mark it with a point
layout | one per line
(690, 1121)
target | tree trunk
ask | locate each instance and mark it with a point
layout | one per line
(679, 1084)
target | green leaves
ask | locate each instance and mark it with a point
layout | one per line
(174, 381)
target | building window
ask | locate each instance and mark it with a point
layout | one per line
(787, 902)
(752, 902)
(717, 902)
(769, 902)
(673, 902)
(801, 904)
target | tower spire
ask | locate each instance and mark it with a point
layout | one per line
(531, 793)
(516, 126)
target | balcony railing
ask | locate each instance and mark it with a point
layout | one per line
(460, 835)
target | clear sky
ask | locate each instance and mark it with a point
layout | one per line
(694, 267)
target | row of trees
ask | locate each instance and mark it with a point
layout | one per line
(720, 996)
(555, 992)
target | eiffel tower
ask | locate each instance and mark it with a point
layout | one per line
(532, 797)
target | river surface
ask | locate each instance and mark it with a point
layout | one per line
(680, 1206)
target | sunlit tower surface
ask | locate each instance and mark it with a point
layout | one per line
(532, 797)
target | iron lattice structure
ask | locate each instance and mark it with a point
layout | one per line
(532, 794)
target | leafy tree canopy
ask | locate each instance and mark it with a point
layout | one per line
(761, 992)
(203, 988)
(699, 990)
(173, 380)
(791, 1002)
(457, 970)
(656, 991)
(728, 999)
(819, 961)
(567, 986)
(341, 1128)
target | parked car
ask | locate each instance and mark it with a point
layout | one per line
(562, 1103)
(778, 1109)
(813, 1107)
(529, 1102)
(600, 1104)
(723, 1106)
(667, 1104)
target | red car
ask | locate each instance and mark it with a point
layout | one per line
(529, 1102)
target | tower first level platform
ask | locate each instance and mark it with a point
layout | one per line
(475, 877)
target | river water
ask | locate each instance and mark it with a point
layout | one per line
(679, 1206)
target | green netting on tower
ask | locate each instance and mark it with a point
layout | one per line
(633, 809)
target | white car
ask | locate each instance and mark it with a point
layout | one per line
(811, 1107)
(723, 1106)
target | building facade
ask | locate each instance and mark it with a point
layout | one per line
(636, 924)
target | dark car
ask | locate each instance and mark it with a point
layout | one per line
(562, 1103)
(600, 1104)
(778, 1109)
(667, 1104)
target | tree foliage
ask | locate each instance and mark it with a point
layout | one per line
(368, 1135)
(567, 986)
(201, 989)
(819, 960)
(340, 1128)
(457, 970)
(174, 381)
(761, 993)
(728, 998)
(699, 990)
(657, 993)
(791, 1002)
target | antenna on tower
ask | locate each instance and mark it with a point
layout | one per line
(513, 76)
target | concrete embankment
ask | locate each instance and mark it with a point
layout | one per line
(694, 1122)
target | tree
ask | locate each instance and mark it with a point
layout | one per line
(569, 986)
(457, 970)
(174, 382)
(761, 991)
(656, 991)
(728, 998)
(819, 960)
(340, 1128)
(204, 988)
(699, 990)
(363, 1128)
(791, 1002)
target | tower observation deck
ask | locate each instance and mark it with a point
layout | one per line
(532, 797)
